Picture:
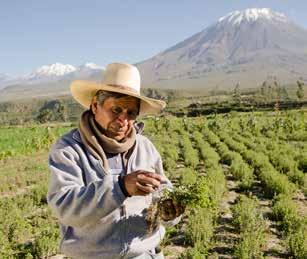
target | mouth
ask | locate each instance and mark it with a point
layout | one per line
(121, 128)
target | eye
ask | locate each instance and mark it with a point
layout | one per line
(133, 114)
(117, 109)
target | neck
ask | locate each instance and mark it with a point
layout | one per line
(105, 132)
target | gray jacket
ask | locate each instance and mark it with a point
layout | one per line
(96, 219)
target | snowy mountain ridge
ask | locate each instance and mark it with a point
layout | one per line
(251, 15)
(59, 70)
(56, 69)
(52, 72)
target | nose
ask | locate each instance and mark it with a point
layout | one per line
(123, 117)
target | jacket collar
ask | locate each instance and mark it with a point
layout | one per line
(76, 135)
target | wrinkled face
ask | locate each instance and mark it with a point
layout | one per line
(116, 115)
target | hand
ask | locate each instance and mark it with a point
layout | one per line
(142, 182)
(170, 209)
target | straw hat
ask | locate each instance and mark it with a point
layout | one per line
(120, 78)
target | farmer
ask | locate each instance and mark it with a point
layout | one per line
(105, 174)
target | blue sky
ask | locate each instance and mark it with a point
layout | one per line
(35, 33)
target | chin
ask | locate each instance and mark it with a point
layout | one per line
(118, 138)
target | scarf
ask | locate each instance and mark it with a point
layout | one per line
(94, 138)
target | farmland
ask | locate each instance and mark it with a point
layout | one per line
(247, 169)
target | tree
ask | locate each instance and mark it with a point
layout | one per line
(44, 116)
(237, 94)
(263, 88)
(300, 90)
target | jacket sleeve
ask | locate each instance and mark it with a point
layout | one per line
(74, 203)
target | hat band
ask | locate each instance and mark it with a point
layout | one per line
(126, 88)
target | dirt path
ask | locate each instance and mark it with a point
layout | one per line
(274, 247)
(225, 235)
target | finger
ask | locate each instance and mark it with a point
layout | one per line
(144, 180)
(145, 188)
(151, 175)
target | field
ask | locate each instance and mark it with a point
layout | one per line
(246, 171)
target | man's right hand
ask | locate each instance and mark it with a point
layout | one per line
(142, 182)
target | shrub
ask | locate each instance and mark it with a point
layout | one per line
(297, 242)
(187, 176)
(285, 211)
(200, 230)
(250, 245)
(242, 172)
(302, 162)
(251, 225)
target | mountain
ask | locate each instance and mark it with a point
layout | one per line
(47, 80)
(49, 72)
(58, 71)
(245, 47)
(3, 80)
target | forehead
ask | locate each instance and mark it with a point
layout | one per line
(125, 101)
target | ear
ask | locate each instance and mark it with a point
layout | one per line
(94, 105)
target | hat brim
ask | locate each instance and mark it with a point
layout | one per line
(83, 92)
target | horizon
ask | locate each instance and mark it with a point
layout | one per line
(48, 33)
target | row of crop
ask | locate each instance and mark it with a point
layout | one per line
(269, 146)
(167, 143)
(27, 229)
(24, 141)
(282, 159)
(160, 124)
(202, 220)
(167, 149)
(190, 155)
(246, 216)
(250, 224)
(296, 151)
(274, 182)
(239, 169)
(292, 225)
(285, 125)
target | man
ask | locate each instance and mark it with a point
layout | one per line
(105, 173)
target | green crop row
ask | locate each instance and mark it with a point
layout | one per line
(294, 226)
(190, 155)
(201, 223)
(282, 158)
(27, 229)
(251, 226)
(240, 170)
(24, 141)
(274, 182)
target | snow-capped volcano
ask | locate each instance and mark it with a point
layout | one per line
(53, 70)
(252, 15)
(245, 47)
(48, 80)
(58, 71)
(52, 74)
